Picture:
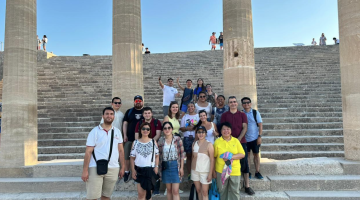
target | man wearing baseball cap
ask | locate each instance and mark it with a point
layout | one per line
(131, 118)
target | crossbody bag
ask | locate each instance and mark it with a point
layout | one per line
(102, 165)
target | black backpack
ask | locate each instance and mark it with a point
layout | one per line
(254, 114)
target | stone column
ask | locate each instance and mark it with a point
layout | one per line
(19, 115)
(127, 70)
(349, 29)
(239, 65)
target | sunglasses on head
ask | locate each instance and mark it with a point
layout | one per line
(145, 129)
(117, 102)
(167, 128)
(138, 101)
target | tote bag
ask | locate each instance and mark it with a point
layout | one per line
(213, 192)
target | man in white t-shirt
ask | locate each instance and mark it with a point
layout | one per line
(313, 42)
(169, 94)
(119, 116)
(98, 142)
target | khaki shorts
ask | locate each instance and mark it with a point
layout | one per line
(200, 176)
(101, 185)
(127, 149)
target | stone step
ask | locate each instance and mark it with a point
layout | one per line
(303, 132)
(315, 183)
(323, 125)
(302, 139)
(69, 124)
(303, 119)
(75, 135)
(323, 195)
(48, 157)
(300, 114)
(61, 149)
(305, 110)
(65, 129)
(290, 147)
(298, 105)
(284, 155)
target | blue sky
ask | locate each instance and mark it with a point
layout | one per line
(75, 27)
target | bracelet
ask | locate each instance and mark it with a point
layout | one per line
(157, 166)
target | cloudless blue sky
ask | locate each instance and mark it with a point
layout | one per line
(75, 27)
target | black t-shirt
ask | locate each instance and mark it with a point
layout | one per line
(132, 119)
(147, 52)
(221, 38)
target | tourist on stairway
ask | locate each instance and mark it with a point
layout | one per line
(313, 42)
(322, 40)
(219, 110)
(253, 134)
(173, 117)
(211, 96)
(228, 152)
(119, 116)
(202, 163)
(213, 41)
(188, 122)
(212, 132)
(200, 87)
(145, 162)
(147, 51)
(238, 120)
(104, 142)
(131, 118)
(221, 39)
(169, 94)
(202, 104)
(171, 161)
(44, 42)
(187, 96)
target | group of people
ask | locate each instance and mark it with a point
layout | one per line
(43, 41)
(322, 40)
(213, 138)
(214, 40)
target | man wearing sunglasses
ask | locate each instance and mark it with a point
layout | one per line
(119, 116)
(131, 118)
(169, 94)
(253, 134)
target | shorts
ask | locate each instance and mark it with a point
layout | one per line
(101, 185)
(221, 44)
(44, 44)
(171, 175)
(127, 149)
(184, 108)
(244, 162)
(213, 45)
(200, 176)
(253, 146)
(165, 110)
(187, 142)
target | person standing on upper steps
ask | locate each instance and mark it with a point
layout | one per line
(169, 94)
(119, 116)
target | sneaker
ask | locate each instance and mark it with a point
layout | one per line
(165, 191)
(156, 193)
(180, 191)
(250, 175)
(258, 175)
(127, 177)
(249, 191)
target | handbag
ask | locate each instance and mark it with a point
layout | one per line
(193, 193)
(102, 165)
(213, 192)
(154, 177)
(164, 164)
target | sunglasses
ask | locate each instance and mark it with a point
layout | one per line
(145, 129)
(201, 96)
(117, 102)
(246, 103)
(201, 132)
(167, 128)
(138, 101)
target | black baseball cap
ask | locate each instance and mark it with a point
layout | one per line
(201, 128)
(138, 97)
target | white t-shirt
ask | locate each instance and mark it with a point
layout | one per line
(99, 139)
(118, 120)
(313, 42)
(208, 109)
(169, 95)
(142, 153)
(188, 120)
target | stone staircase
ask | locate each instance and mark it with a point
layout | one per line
(299, 97)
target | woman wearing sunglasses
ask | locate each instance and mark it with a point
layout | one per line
(144, 157)
(211, 129)
(202, 163)
(202, 104)
(171, 157)
(173, 117)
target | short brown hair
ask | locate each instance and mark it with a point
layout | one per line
(141, 126)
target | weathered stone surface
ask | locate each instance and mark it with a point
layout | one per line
(349, 31)
(19, 97)
(323, 195)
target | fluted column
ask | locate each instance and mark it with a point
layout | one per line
(349, 29)
(19, 115)
(127, 70)
(239, 65)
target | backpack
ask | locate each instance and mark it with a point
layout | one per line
(155, 122)
(254, 114)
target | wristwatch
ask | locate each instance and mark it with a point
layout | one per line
(157, 166)
(259, 136)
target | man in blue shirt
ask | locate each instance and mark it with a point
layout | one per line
(253, 134)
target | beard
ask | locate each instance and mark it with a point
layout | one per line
(108, 122)
(138, 106)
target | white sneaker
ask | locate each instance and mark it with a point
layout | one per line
(180, 191)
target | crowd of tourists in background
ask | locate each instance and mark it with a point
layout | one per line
(214, 41)
(205, 135)
(322, 40)
(42, 43)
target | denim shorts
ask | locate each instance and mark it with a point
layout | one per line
(171, 174)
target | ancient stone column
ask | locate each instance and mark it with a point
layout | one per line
(127, 70)
(349, 29)
(239, 65)
(19, 115)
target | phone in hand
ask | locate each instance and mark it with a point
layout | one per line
(228, 162)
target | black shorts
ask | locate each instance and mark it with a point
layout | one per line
(253, 146)
(244, 162)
